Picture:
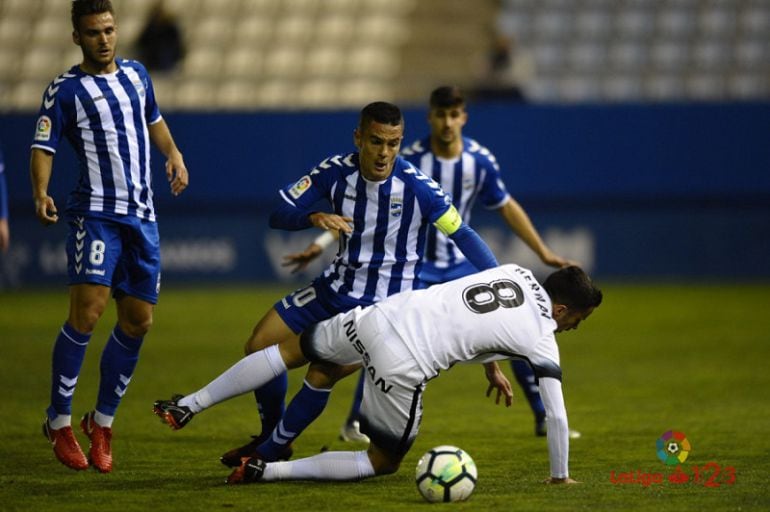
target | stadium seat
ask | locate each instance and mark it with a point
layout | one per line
(358, 92)
(252, 31)
(324, 61)
(284, 61)
(664, 86)
(294, 30)
(242, 63)
(372, 61)
(203, 63)
(235, 94)
(277, 93)
(195, 95)
(27, 95)
(38, 63)
(318, 94)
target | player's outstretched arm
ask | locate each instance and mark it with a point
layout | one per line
(301, 260)
(558, 427)
(520, 223)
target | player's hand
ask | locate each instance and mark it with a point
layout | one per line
(554, 260)
(567, 480)
(176, 172)
(497, 380)
(302, 259)
(46, 211)
(330, 221)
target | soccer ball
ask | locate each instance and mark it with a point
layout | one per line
(446, 473)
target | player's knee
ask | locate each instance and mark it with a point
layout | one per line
(83, 317)
(386, 468)
(383, 463)
(256, 342)
(137, 327)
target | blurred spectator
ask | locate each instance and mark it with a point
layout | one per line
(504, 72)
(160, 45)
(5, 236)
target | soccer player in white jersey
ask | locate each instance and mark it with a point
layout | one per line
(407, 339)
(381, 206)
(105, 107)
(470, 173)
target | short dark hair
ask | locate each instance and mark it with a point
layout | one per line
(572, 287)
(380, 112)
(447, 96)
(82, 8)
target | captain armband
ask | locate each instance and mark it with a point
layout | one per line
(449, 222)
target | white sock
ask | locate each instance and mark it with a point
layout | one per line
(103, 420)
(248, 374)
(60, 421)
(324, 466)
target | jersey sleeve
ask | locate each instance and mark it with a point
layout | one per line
(151, 109)
(312, 187)
(493, 191)
(434, 202)
(53, 116)
(557, 426)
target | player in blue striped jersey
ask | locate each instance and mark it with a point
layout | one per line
(381, 206)
(105, 107)
(470, 173)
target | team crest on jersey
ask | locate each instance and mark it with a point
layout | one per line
(300, 187)
(43, 128)
(396, 207)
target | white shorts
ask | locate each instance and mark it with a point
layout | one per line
(391, 409)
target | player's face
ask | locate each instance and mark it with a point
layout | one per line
(568, 319)
(378, 145)
(446, 124)
(97, 36)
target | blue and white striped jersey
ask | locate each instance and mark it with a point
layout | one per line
(105, 119)
(473, 175)
(383, 254)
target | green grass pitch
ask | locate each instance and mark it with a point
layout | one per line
(653, 358)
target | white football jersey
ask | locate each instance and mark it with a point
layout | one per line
(497, 314)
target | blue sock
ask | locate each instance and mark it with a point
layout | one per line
(303, 409)
(117, 367)
(357, 397)
(68, 353)
(526, 378)
(271, 402)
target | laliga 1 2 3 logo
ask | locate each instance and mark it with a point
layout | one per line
(673, 448)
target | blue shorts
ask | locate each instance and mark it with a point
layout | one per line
(312, 304)
(123, 254)
(430, 274)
